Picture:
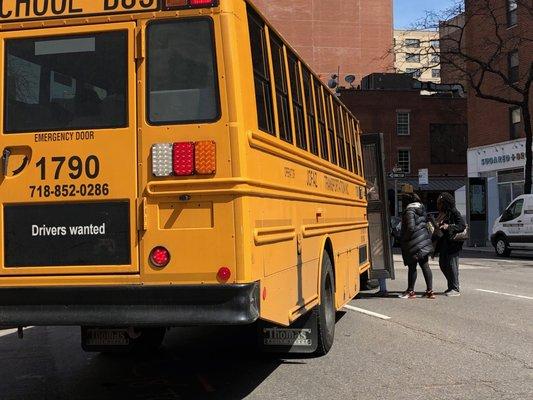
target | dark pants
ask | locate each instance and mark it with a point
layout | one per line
(428, 276)
(449, 265)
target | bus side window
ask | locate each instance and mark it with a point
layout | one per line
(332, 144)
(355, 151)
(310, 110)
(341, 147)
(282, 91)
(348, 132)
(359, 150)
(297, 101)
(321, 121)
(263, 93)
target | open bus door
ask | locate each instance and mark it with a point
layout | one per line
(378, 207)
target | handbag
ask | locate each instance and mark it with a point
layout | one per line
(461, 236)
(431, 228)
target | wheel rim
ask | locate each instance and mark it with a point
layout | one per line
(328, 302)
(500, 246)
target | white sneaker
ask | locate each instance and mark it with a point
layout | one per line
(452, 293)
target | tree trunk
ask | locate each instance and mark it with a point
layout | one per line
(529, 151)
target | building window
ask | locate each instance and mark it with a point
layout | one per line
(412, 57)
(435, 43)
(404, 160)
(435, 59)
(513, 66)
(403, 120)
(415, 72)
(512, 15)
(415, 43)
(435, 73)
(449, 143)
(515, 118)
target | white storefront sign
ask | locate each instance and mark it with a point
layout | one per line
(423, 176)
(506, 155)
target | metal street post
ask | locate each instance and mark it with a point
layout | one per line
(396, 198)
(397, 172)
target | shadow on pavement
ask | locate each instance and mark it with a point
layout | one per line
(194, 363)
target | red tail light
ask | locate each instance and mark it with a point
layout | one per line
(174, 4)
(223, 274)
(183, 158)
(159, 257)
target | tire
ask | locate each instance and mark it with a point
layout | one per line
(326, 309)
(502, 247)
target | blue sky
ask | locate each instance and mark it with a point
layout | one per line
(407, 12)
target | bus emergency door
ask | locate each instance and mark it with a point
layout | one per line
(378, 206)
(68, 146)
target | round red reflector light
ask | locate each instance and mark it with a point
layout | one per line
(159, 257)
(224, 274)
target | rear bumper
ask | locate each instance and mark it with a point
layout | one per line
(117, 306)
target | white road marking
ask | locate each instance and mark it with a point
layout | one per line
(505, 294)
(363, 311)
(7, 332)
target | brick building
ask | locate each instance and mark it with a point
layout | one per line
(496, 154)
(450, 33)
(420, 132)
(353, 35)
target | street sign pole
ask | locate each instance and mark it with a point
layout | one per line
(397, 173)
(396, 198)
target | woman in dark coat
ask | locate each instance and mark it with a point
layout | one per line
(449, 223)
(416, 245)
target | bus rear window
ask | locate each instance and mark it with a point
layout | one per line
(182, 77)
(66, 82)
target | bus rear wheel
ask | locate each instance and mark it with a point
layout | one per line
(326, 309)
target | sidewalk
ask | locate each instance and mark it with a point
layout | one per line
(488, 249)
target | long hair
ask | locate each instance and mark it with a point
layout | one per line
(448, 201)
(409, 198)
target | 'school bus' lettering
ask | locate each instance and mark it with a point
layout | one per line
(14, 10)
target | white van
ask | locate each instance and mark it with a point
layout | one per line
(513, 230)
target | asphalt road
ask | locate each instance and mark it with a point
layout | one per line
(477, 346)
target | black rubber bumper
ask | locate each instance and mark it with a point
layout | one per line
(117, 306)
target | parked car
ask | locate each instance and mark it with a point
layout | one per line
(513, 230)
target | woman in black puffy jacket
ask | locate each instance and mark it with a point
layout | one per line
(416, 245)
(449, 223)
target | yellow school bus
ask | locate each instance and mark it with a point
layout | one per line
(172, 163)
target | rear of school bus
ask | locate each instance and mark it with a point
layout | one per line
(117, 191)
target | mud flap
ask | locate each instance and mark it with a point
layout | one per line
(300, 337)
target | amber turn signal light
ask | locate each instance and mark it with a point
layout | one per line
(205, 157)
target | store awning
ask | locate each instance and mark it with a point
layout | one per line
(435, 184)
